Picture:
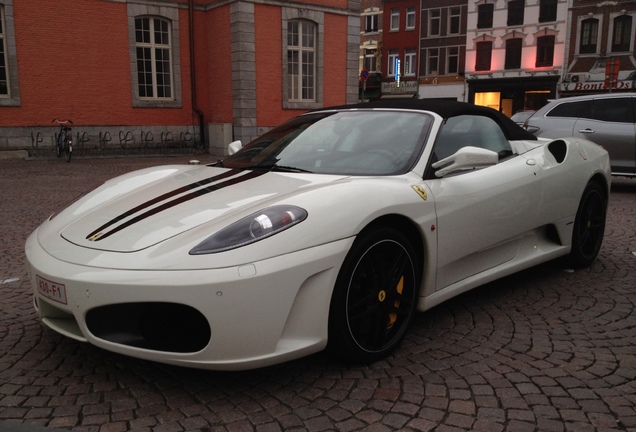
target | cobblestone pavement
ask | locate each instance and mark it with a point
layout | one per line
(544, 350)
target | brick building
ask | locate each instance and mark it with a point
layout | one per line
(400, 47)
(601, 40)
(210, 70)
(443, 49)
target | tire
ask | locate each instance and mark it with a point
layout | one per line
(589, 226)
(59, 145)
(375, 297)
(68, 151)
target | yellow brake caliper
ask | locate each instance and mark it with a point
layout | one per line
(393, 315)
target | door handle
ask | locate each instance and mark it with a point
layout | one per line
(586, 131)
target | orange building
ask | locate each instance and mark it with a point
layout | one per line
(139, 72)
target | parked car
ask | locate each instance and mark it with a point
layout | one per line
(520, 117)
(606, 119)
(330, 230)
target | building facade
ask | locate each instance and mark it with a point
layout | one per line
(371, 30)
(515, 52)
(443, 49)
(400, 48)
(600, 57)
(139, 71)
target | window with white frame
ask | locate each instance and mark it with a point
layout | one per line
(371, 23)
(434, 21)
(154, 65)
(410, 18)
(454, 20)
(155, 56)
(392, 57)
(301, 60)
(433, 61)
(410, 64)
(370, 62)
(452, 66)
(395, 20)
(4, 75)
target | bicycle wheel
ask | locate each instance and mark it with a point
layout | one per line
(59, 146)
(68, 150)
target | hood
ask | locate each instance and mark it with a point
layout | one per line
(161, 206)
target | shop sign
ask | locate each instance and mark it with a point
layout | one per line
(595, 86)
(405, 87)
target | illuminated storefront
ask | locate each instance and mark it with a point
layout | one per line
(512, 95)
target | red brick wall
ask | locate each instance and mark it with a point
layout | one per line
(335, 62)
(214, 64)
(269, 90)
(74, 62)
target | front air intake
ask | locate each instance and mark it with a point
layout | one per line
(168, 327)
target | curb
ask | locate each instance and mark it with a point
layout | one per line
(14, 154)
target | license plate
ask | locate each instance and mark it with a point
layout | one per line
(51, 290)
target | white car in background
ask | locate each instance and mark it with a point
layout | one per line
(331, 230)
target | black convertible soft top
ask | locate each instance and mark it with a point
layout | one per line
(446, 109)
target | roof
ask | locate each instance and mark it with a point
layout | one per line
(446, 109)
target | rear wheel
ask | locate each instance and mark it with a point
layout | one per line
(375, 296)
(589, 226)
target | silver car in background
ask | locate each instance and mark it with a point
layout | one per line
(606, 119)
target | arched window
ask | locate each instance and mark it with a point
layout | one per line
(154, 65)
(622, 33)
(589, 36)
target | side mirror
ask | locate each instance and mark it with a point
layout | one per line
(466, 158)
(234, 146)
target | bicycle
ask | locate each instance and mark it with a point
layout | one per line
(64, 144)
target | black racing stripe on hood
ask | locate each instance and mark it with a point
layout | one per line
(174, 202)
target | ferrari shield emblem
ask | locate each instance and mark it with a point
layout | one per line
(420, 191)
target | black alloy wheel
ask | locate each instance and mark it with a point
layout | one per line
(375, 296)
(589, 226)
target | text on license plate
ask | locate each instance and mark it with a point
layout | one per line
(51, 290)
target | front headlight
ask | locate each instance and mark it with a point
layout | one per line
(251, 229)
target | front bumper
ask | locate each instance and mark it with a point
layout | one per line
(257, 314)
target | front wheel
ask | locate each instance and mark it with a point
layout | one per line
(59, 145)
(68, 150)
(589, 226)
(375, 296)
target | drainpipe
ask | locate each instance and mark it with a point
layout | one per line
(193, 81)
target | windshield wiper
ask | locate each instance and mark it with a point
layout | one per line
(279, 168)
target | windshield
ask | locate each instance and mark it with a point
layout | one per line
(349, 142)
